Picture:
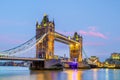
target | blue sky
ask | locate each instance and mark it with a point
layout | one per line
(98, 21)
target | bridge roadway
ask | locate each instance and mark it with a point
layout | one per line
(21, 59)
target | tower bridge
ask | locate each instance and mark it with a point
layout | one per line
(44, 43)
(46, 48)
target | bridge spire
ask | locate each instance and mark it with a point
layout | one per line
(76, 36)
(37, 23)
(53, 22)
(45, 19)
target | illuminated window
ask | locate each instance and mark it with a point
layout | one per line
(45, 25)
(39, 26)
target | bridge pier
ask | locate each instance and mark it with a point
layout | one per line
(76, 65)
(51, 64)
(37, 65)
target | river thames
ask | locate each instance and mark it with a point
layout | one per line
(23, 73)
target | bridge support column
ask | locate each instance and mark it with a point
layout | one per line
(75, 52)
(80, 51)
(76, 48)
(37, 65)
(50, 46)
(46, 48)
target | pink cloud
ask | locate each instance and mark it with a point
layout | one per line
(83, 32)
(92, 31)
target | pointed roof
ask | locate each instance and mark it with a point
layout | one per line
(53, 22)
(45, 19)
(37, 23)
(76, 36)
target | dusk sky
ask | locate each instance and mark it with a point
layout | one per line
(98, 21)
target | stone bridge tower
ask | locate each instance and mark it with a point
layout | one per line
(45, 49)
(76, 48)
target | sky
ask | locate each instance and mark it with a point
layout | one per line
(98, 21)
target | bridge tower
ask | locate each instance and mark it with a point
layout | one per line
(45, 49)
(76, 48)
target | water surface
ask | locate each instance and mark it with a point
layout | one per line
(23, 73)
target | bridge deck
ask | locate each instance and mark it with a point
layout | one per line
(21, 59)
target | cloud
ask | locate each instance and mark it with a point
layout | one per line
(92, 31)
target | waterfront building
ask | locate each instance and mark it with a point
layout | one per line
(115, 56)
(113, 60)
(94, 59)
(100, 64)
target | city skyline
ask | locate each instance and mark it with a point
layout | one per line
(96, 21)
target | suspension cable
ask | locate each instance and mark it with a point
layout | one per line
(23, 46)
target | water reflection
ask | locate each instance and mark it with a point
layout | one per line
(41, 75)
(56, 75)
(74, 74)
(107, 74)
(95, 74)
(116, 74)
(90, 74)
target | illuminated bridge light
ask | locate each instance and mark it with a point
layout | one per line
(76, 44)
(45, 25)
(69, 37)
(71, 45)
(39, 26)
(45, 14)
(73, 65)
